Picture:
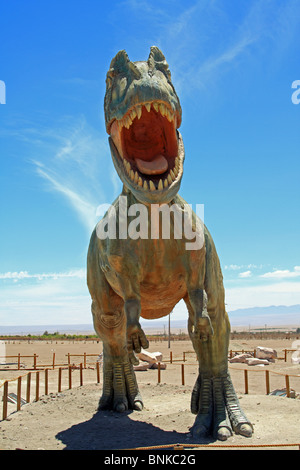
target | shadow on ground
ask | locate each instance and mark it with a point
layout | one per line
(110, 430)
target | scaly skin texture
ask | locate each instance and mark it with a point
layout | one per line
(129, 277)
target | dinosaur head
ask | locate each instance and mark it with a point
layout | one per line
(142, 115)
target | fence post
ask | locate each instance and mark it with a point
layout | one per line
(246, 381)
(98, 372)
(171, 357)
(84, 360)
(70, 377)
(19, 388)
(34, 361)
(19, 361)
(182, 374)
(28, 387)
(285, 355)
(59, 379)
(53, 361)
(287, 383)
(69, 359)
(184, 356)
(46, 381)
(37, 386)
(5, 395)
(81, 375)
(267, 382)
(158, 373)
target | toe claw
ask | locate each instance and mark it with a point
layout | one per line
(245, 430)
(120, 407)
(223, 433)
(138, 405)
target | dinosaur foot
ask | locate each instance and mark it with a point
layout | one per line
(120, 389)
(218, 410)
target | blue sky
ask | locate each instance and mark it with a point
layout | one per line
(233, 64)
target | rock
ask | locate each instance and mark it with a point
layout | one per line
(240, 357)
(254, 361)
(149, 357)
(163, 365)
(265, 353)
(142, 366)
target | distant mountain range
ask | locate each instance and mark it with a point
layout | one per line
(274, 315)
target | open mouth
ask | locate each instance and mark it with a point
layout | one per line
(147, 143)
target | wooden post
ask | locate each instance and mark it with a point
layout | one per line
(46, 381)
(182, 374)
(184, 356)
(70, 377)
(267, 382)
(81, 375)
(28, 387)
(287, 384)
(19, 388)
(158, 373)
(246, 381)
(19, 361)
(53, 361)
(59, 379)
(171, 357)
(5, 395)
(84, 360)
(69, 359)
(98, 372)
(34, 361)
(285, 355)
(37, 386)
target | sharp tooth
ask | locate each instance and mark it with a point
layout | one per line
(148, 106)
(131, 175)
(169, 179)
(133, 114)
(138, 111)
(152, 186)
(162, 109)
(120, 124)
(136, 177)
(177, 162)
(160, 185)
(175, 171)
(169, 116)
(140, 181)
(166, 184)
(155, 106)
(145, 186)
(128, 121)
(172, 175)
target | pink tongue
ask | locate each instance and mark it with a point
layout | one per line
(157, 166)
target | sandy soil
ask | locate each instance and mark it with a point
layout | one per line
(70, 420)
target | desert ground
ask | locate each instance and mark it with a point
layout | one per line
(68, 419)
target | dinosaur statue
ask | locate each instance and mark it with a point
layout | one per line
(133, 277)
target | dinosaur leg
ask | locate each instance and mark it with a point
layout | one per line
(120, 389)
(214, 400)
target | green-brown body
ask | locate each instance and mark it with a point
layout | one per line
(129, 278)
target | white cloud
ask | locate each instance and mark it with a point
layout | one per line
(263, 295)
(44, 298)
(245, 274)
(19, 275)
(281, 274)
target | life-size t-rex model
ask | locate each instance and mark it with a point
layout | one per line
(129, 277)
